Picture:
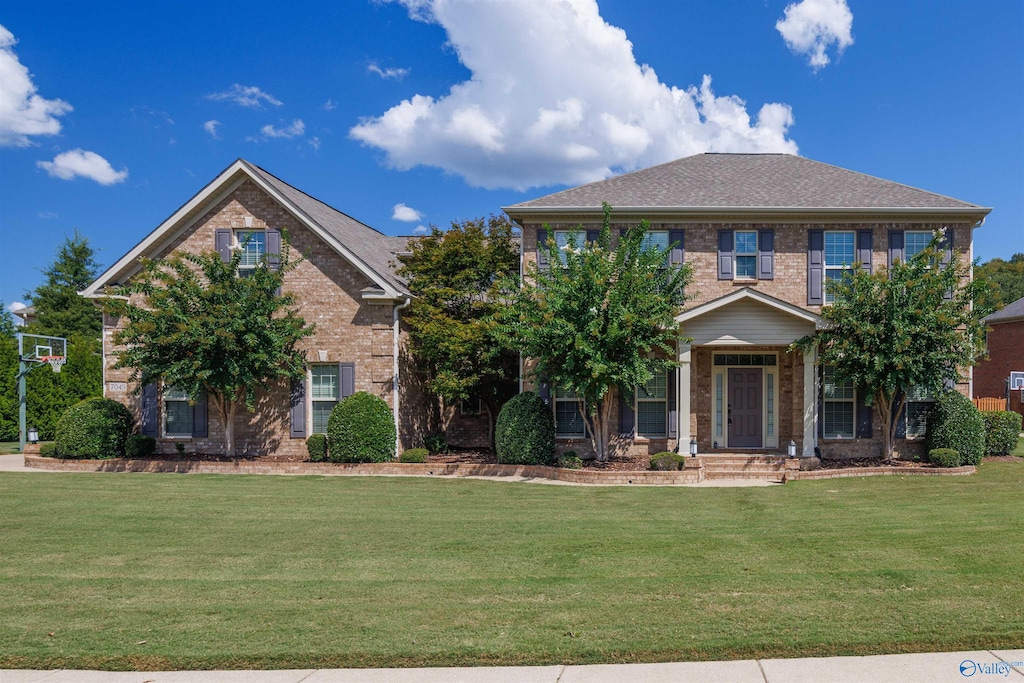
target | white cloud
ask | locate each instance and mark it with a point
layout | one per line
(78, 162)
(16, 306)
(211, 127)
(559, 100)
(810, 26)
(396, 73)
(23, 113)
(47, 215)
(420, 230)
(245, 96)
(296, 129)
(329, 105)
(406, 214)
(314, 142)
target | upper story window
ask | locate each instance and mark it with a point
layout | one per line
(840, 253)
(746, 254)
(253, 245)
(565, 239)
(915, 241)
(839, 406)
(656, 240)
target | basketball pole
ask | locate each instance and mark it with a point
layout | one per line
(22, 371)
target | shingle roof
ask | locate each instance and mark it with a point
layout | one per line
(746, 181)
(369, 245)
(1009, 313)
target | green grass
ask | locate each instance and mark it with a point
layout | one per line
(1019, 450)
(205, 571)
(8, 447)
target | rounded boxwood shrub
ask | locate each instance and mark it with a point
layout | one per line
(1002, 428)
(48, 450)
(955, 423)
(525, 431)
(316, 445)
(667, 461)
(361, 429)
(414, 455)
(944, 457)
(93, 428)
(139, 446)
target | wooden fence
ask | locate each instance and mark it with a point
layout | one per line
(990, 403)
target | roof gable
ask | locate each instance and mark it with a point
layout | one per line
(1011, 312)
(746, 293)
(744, 182)
(367, 249)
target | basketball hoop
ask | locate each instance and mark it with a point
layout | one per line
(56, 362)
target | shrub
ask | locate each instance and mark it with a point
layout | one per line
(570, 461)
(944, 457)
(361, 429)
(435, 443)
(94, 428)
(667, 461)
(316, 445)
(1002, 428)
(525, 431)
(955, 423)
(139, 446)
(48, 450)
(414, 455)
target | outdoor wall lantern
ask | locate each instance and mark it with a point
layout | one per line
(792, 448)
(33, 435)
(693, 447)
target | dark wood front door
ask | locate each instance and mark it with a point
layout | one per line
(745, 407)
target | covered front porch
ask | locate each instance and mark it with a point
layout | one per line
(740, 387)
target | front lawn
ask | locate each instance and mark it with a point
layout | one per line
(1019, 450)
(8, 447)
(207, 571)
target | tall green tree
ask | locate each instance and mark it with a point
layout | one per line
(59, 310)
(455, 277)
(597, 319)
(8, 377)
(916, 325)
(195, 324)
(1006, 278)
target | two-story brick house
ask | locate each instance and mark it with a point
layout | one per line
(346, 285)
(764, 234)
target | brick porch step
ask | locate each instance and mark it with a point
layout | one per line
(742, 466)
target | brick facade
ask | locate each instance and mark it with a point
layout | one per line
(1005, 355)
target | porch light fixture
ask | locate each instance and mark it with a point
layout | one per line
(792, 448)
(693, 447)
(33, 435)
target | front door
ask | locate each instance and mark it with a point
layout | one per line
(745, 407)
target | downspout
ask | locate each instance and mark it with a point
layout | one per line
(395, 370)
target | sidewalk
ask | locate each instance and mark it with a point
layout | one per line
(938, 667)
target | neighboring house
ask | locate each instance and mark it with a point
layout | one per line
(345, 285)
(26, 313)
(764, 234)
(1005, 351)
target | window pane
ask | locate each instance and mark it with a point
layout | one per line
(838, 248)
(562, 240)
(325, 382)
(650, 418)
(657, 387)
(568, 421)
(917, 417)
(175, 394)
(746, 267)
(746, 243)
(915, 242)
(178, 416)
(253, 246)
(321, 414)
(833, 275)
(655, 240)
(838, 417)
(564, 393)
(834, 389)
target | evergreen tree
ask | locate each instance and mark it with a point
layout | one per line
(59, 310)
(8, 377)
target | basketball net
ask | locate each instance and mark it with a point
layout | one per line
(56, 362)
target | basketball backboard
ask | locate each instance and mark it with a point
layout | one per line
(37, 348)
(1017, 380)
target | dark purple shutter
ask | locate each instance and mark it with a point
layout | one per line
(542, 255)
(673, 414)
(864, 248)
(627, 422)
(200, 417)
(725, 247)
(273, 248)
(815, 267)
(223, 242)
(347, 378)
(150, 413)
(821, 402)
(895, 246)
(544, 391)
(298, 408)
(947, 255)
(677, 246)
(593, 236)
(865, 429)
(766, 254)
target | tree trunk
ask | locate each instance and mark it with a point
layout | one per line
(229, 429)
(490, 423)
(889, 411)
(598, 425)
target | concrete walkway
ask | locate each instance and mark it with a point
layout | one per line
(939, 667)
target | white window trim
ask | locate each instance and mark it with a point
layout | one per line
(237, 243)
(841, 268)
(470, 413)
(906, 417)
(163, 416)
(311, 401)
(929, 234)
(736, 255)
(581, 240)
(580, 407)
(637, 400)
(852, 401)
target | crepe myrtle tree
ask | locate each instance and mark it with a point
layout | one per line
(914, 325)
(195, 323)
(597, 318)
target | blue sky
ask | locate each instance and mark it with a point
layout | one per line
(453, 109)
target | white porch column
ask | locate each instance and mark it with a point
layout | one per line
(810, 403)
(683, 433)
